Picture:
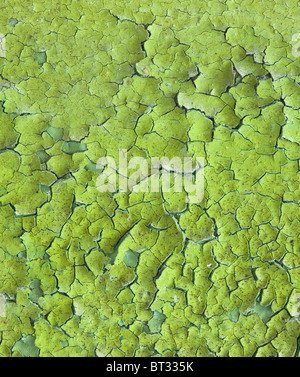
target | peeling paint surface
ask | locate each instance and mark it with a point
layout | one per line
(87, 273)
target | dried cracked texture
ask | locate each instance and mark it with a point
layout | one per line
(85, 273)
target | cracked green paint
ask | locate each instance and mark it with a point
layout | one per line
(85, 273)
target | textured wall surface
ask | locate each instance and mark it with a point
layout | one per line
(90, 273)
